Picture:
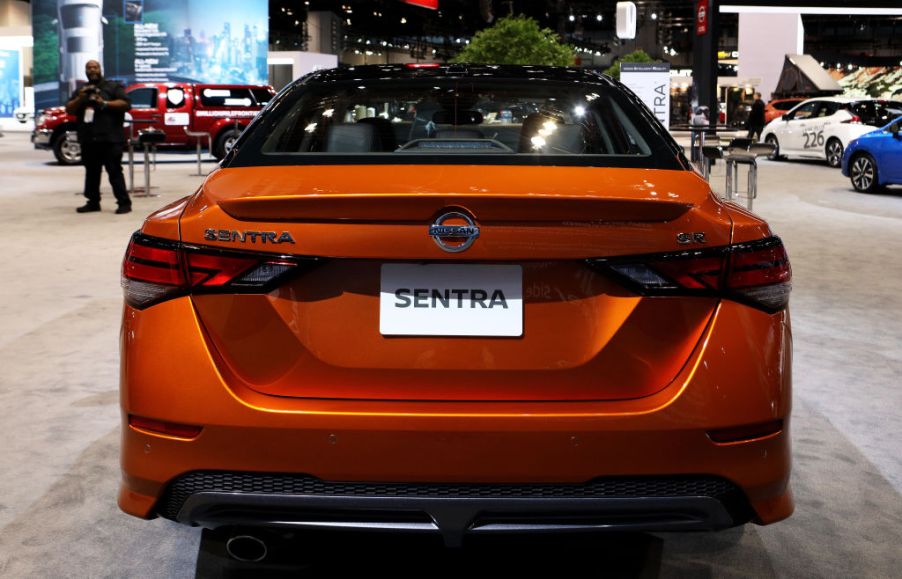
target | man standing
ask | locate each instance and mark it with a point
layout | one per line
(100, 107)
(756, 118)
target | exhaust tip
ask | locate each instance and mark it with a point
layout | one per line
(246, 548)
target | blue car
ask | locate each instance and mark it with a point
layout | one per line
(874, 160)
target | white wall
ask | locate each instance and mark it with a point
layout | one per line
(764, 42)
(303, 62)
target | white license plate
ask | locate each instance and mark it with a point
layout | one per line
(451, 300)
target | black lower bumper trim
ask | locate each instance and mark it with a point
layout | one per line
(214, 499)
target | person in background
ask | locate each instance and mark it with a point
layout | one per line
(698, 122)
(756, 122)
(100, 108)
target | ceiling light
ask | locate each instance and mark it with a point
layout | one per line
(599, 17)
(572, 18)
(654, 15)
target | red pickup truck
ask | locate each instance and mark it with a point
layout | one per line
(222, 110)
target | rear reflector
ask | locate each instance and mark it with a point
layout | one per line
(172, 429)
(757, 273)
(156, 269)
(746, 432)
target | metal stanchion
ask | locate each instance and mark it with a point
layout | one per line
(148, 138)
(741, 152)
(199, 136)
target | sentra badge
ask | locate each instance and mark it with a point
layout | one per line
(235, 236)
(454, 231)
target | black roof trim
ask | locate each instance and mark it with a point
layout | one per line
(496, 71)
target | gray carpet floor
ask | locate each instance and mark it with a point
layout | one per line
(59, 312)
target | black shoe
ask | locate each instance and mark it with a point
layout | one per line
(88, 207)
(123, 209)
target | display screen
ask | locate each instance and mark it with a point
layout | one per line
(215, 41)
(10, 83)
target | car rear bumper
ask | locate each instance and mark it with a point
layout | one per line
(214, 499)
(733, 378)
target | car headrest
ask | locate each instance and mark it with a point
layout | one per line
(351, 138)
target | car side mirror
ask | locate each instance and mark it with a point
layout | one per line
(894, 130)
(786, 117)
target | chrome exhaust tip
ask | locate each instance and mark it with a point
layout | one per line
(246, 548)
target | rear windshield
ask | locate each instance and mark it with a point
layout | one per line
(456, 120)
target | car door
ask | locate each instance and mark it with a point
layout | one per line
(145, 111)
(890, 157)
(177, 114)
(818, 128)
(792, 132)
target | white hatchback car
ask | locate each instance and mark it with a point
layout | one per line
(820, 128)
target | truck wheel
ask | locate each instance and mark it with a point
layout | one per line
(66, 152)
(224, 142)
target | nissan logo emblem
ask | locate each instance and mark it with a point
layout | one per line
(454, 231)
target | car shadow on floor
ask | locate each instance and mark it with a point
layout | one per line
(402, 557)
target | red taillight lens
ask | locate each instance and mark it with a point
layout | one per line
(853, 119)
(156, 269)
(757, 273)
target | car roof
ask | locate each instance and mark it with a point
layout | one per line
(841, 99)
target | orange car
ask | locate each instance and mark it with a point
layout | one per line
(395, 308)
(779, 107)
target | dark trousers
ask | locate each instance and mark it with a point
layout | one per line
(755, 132)
(98, 156)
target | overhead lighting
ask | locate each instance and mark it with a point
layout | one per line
(599, 17)
(572, 18)
(654, 15)
(403, 20)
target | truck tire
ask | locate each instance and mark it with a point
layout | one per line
(66, 152)
(224, 142)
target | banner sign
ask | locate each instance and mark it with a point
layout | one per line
(10, 83)
(701, 17)
(651, 83)
(222, 41)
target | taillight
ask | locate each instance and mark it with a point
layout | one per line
(156, 269)
(757, 273)
(852, 119)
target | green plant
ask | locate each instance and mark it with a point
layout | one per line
(636, 56)
(516, 40)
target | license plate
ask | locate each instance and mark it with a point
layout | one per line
(451, 300)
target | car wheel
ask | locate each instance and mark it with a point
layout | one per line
(67, 152)
(772, 140)
(863, 173)
(224, 142)
(834, 152)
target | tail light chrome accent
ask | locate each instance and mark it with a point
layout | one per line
(155, 270)
(757, 273)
